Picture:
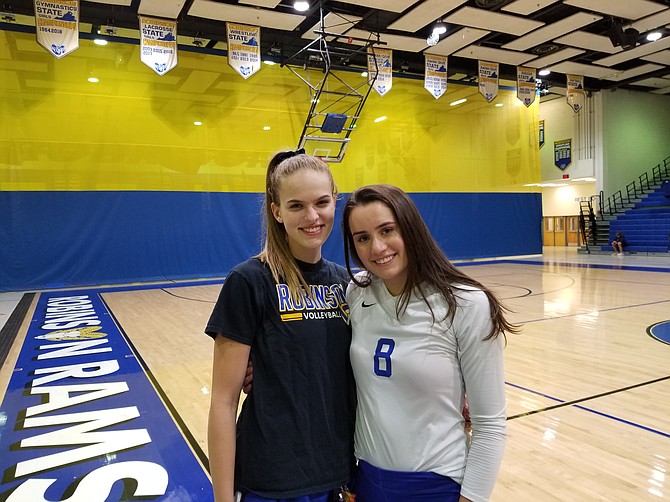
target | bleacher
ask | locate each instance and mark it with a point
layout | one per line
(646, 226)
(641, 213)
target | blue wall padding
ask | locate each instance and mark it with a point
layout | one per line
(63, 239)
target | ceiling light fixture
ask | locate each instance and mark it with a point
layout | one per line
(380, 119)
(439, 28)
(108, 29)
(543, 73)
(100, 41)
(458, 102)
(7, 17)
(301, 6)
(93, 80)
(626, 39)
(654, 35)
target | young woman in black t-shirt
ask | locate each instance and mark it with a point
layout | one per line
(285, 311)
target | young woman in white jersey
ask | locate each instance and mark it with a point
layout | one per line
(424, 335)
(285, 311)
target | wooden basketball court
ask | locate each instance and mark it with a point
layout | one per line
(588, 379)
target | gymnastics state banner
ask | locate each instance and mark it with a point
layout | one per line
(380, 70)
(435, 78)
(575, 92)
(244, 48)
(158, 44)
(81, 420)
(57, 26)
(525, 85)
(488, 80)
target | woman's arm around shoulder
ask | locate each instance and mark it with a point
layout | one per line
(228, 371)
(481, 364)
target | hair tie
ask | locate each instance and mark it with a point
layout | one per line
(281, 157)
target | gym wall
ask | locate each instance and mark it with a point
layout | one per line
(112, 182)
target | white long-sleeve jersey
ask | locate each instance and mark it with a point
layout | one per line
(412, 376)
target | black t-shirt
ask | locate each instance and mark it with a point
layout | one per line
(295, 430)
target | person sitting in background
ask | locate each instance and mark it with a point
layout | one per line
(618, 243)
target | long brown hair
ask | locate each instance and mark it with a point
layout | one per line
(276, 252)
(426, 263)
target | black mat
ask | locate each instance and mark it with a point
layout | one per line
(11, 327)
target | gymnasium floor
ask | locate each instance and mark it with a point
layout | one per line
(588, 380)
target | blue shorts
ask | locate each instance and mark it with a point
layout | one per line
(373, 484)
(319, 497)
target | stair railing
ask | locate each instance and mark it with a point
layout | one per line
(631, 188)
(644, 180)
(615, 203)
(584, 211)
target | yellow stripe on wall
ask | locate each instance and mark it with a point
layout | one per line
(134, 130)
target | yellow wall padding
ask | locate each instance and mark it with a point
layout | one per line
(134, 130)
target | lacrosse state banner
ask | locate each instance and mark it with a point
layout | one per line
(158, 44)
(81, 422)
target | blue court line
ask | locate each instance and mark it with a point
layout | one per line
(590, 410)
(624, 421)
(639, 268)
(601, 310)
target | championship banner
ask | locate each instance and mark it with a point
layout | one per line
(435, 79)
(488, 80)
(563, 153)
(57, 26)
(81, 421)
(380, 76)
(541, 133)
(575, 92)
(525, 85)
(244, 48)
(158, 44)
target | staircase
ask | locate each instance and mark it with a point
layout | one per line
(594, 229)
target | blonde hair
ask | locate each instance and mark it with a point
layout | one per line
(276, 251)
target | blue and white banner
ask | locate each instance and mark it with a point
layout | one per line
(244, 48)
(525, 85)
(81, 422)
(435, 79)
(380, 70)
(563, 153)
(575, 93)
(57, 26)
(488, 80)
(158, 44)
